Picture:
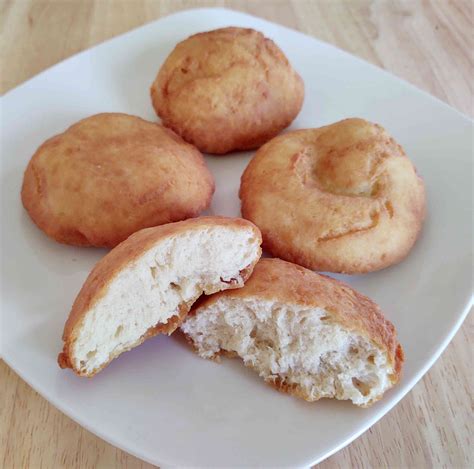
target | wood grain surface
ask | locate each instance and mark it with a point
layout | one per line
(429, 44)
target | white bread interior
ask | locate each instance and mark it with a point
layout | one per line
(300, 350)
(150, 291)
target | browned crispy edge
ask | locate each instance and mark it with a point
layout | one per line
(105, 271)
(278, 280)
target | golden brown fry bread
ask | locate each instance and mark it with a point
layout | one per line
(227, 89)
(341, 198)
(110, 175)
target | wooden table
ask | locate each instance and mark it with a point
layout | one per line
(429, 44)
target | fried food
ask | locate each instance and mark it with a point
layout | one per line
(110, 175)
(147, 284)
(227, 89)
(304, 333)
(341, 198)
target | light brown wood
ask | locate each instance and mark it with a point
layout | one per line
(429, 44)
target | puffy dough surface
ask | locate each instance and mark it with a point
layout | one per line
(304, 333)
(340, 198)
(110, 175)
(227, 89)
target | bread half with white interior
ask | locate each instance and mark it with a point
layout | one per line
(306, 334)
(148, 283)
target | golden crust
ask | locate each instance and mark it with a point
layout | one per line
(110, 175)
(341, 198)
(105, 271)
(227, 89)
(287, 283)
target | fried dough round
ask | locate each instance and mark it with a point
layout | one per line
(306, 334)
(227, 89)
(341, 198)
(110, 175)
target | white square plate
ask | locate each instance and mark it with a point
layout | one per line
(161, 402)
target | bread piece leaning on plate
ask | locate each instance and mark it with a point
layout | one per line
(305, 333)
(148, 283)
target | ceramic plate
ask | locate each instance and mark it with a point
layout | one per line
(161, 402)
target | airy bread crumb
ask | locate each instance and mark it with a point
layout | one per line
(152, 292)
(304, 349)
